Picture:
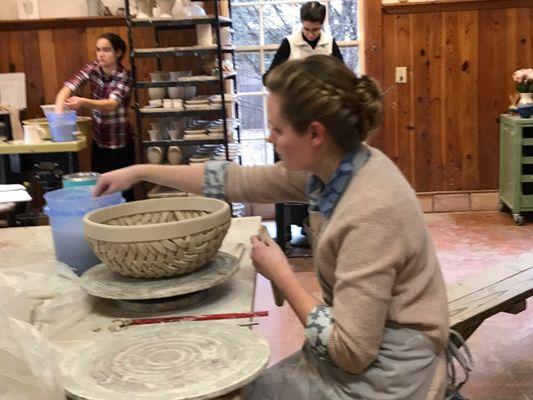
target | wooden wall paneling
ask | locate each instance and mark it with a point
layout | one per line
(436, 110)
(70, 57)
(34, 72)
(468, 121)
(70, 50)
(403, 7)
(6, 56)
(452, 104)
(16, 58)
(404, 129)
(492, 91)
(51, 82)
(520, 22)
(387, 140)
(424, 131)
(529, 45)
(457, 97)
(373, 28)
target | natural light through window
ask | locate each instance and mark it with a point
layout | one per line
(259, 28)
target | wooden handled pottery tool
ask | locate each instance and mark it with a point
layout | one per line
(279, 298)
(121, 322)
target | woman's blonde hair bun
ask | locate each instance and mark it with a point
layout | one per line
(321, 88)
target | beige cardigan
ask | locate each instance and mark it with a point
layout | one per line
(374, 257)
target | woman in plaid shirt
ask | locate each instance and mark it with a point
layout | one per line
(110, 84)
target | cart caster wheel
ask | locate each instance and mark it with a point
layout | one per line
(518, 219)
(501, 206)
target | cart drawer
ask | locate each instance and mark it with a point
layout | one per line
(526, 202)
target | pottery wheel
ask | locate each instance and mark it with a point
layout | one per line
(100, 281)
(185, 360)
(160, 305)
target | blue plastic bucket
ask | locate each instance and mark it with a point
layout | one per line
(62, 125)
(65, 209)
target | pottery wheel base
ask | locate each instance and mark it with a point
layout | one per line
(166, 304)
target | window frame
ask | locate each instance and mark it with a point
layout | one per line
(263, 48)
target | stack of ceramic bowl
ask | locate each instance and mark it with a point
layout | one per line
(195, 130)
(158, 130)
(228, 98)
(179, 92)
(237, 209)
(155, 154)
(199, 159)
(215, 130)
(202, 154)
(233, 152)
(197, 103)
(158, 93)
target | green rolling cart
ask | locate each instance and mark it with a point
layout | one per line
(516, 165)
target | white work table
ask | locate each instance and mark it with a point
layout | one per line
(23, 246)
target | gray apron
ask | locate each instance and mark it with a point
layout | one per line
(403, 369)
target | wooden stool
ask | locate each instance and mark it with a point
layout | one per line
(504, 288)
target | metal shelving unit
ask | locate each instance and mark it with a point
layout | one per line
(217, 49)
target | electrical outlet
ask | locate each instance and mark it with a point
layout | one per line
(401, 74)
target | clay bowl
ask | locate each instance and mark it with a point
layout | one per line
(158, 237)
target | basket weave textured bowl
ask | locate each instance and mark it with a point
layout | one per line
(157, 238)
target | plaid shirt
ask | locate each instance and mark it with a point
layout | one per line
(112, 129)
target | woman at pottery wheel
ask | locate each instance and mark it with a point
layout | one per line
(381, 328)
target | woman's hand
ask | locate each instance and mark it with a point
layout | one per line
(268, 259)
(75, 102)
(114, 181)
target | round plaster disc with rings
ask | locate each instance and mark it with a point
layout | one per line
(100, 281)
(185, 360)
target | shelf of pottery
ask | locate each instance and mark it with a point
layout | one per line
(177, 116)
(178, 126)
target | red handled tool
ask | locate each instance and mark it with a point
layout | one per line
(119, 323)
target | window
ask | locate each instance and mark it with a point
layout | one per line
(259, 27)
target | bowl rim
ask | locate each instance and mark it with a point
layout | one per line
(219, 212)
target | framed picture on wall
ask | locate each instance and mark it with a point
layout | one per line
(28, 9)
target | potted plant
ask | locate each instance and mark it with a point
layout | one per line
(523, 79)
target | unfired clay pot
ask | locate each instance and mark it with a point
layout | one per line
(144, 8)
(165, 8)
(157, 237)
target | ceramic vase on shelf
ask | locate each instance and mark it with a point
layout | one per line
(157, 92)
(144, 8)
(204, 35)
(177, 10)
(165, 8)
(526, 98)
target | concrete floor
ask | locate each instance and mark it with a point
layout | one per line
(466, 243)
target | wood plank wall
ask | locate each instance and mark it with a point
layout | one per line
(50, 52)
(441, 128)
(48, 57)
